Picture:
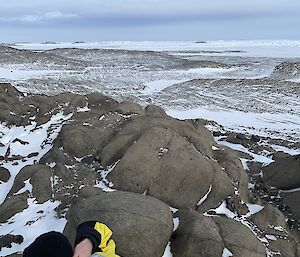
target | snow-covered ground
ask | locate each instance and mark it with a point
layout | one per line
(16, 72)
(36, 219)
(32, 222)
(224, 81)
(262, 124)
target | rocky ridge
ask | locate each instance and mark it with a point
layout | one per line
(141, 172)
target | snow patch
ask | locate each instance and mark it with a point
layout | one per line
(159, 85)
(27, 187)
(271, 237)
(176, 222)
(104, 184)
(254, 208)
(12, 72)
(168, 252)
(261, 124)
(290, 190)
(286, 149)
(32, 222)
(244, 163)
(39, 140)
(256, 157)
(205, 196)
(83, 109)
(214, 148)
(223, 210)
(227, 253)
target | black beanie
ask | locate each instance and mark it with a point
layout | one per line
(51, 244)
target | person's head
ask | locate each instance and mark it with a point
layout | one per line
(51, 244)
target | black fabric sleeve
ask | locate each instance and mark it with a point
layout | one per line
(86, 230)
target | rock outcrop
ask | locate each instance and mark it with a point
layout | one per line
(286, 70)
(126, 165)
(199, 235)
(139, 223)
(283, 173)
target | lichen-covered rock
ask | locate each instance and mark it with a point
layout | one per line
(97, 100)
(196, 236)
(12, 205)
(239, 239)
(8, 240)
(4, 174)
(140, 224)
(268, 218)
(292, 199)
(39, 177)
(80, 141)
(70, 99)
(128, 108)
(168, 167)
(57, 155)
(155, 111)
(234, 169)
(283, 173)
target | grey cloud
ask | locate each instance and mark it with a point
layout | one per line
(150, 19)
(39, 17)
(144, 7)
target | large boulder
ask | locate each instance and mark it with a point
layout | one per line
(170, 159)
(73, 100)
(292, 200)
(141, 225)
(79, 140)
(132, 130)
(128, 108)
(239, 239)
(220, 188)
(39, 177)
(44, 107)
(12, 205)
(4, 174)
(97, 100)
(196, 236)
(8, 240)
(283, 173)
(57, 155)
(272, 223)
(168, 167)
(268, 218)
(155, 111)
(287, 247)
(233, 167)
(10, 104)
(9, 90)
(199, 235)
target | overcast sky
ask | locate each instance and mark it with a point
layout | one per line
(106, 20)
